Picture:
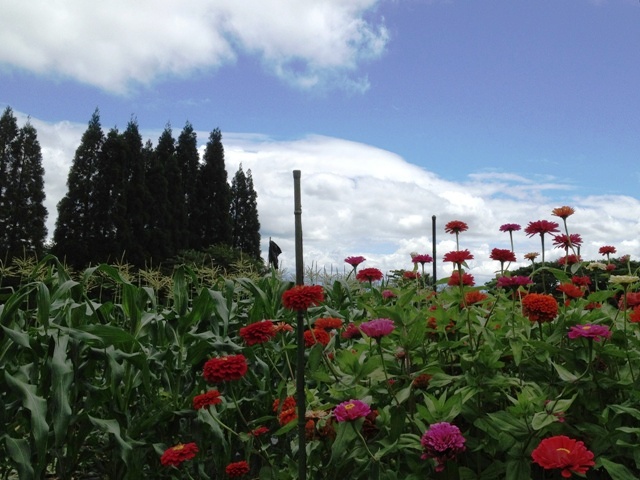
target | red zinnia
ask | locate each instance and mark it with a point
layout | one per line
(237, 469)
(474, 296)
(569, 260)
(422, 259)
(421, 381)
(509, 227)
(351, 331)
(633, 299)
(354, 261)
(502, 255)
(581, 280)
(287, 416)
(369, 275)
(212, 397)
(328, 323)
(317, 335)
(467, 279)
(224, 369)
(258, 332)
(567, 454)
(409, 275)
(541, 227)
(301, 297)
(178, 454)
(539, 307)
(256, 432)
(289, 402)
(458, 256)
(607, 250)
(570, 290)
(634, 316)
(456, 226)
(562, 241)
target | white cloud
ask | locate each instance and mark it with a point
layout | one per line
(360, 200)
(117, 44)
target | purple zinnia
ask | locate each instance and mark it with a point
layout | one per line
(597, 332)
(442, 442)
(509, 227)
(514, 282)
(354, 261)
(351, 410)
(377, 328)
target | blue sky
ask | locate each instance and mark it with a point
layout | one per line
(490, 111)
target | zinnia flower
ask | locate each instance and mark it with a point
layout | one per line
(258, 332)
(351, 410)
(502, 255)
(317, 335)
(474, 296)
(388, 294)
(456, 226)
(567, 454)
(581, 280)
(369, 275)
(623, 279)
(634, 316)
(377, 328)
(289, 402)
(566, 242)
(422, 259)
(351, 331)
(597, 332)
(569, 260)
(224, 369)
(354, 261)
(539, 307)
(607, 250)
(256, 432)
(237, 469)
(540, 227)
(531, 256)
(458, 256)
(570, 290)
(510, 227)
(563, 212)
(631, 299)
(411, 275)
(442, 441)
(301, 297)
(596, 266)
(178, 454)
(328, 323)
(513, 283)
(212, 397)
(467, 279)
(421, 381)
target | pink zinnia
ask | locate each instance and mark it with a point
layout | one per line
(388, 294)
(442, 442)
(354, 261)
(351, 410)
(514, 282)
(597, 332)
(562, 241)
(509, 227)
(458, 256)
(541, 227)
(422, 259)
(377, 328)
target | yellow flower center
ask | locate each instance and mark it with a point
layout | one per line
(586, 327)
(178, 447)
(563, 450)
(349, 406)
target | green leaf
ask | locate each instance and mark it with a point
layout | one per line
(518, 469)
(345, 434)
(113, 427)
(19, 451)
(616, 470)
(565, 374)
(61, 379)
(542, 419)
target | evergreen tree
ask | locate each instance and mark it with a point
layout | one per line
(188, 161)
(73, 234)
(8, 149)
(212, 225)
(245, 226)
(23, 213)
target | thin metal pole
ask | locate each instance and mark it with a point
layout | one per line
(433, 249)
(300, 396)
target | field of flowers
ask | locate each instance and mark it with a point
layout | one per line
(528, 377)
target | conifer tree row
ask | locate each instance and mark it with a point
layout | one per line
(22, 210)
(132, 202)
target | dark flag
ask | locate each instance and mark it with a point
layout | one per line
(274, 251)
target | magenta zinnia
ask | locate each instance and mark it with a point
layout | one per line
(378, 327)
(301, 297)
(540, 227)
(354, 261)
(514, 282)
(442, 442)
(567, 242)
(597, 332)
(509, 227)
(351, 410)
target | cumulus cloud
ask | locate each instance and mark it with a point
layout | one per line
(115, 45)
(361, 200)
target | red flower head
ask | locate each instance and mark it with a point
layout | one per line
(563, 212)
(178, 454)
(456, 226)
(607, 250)
(258, 332)
(351, 410)
(354, 261)
(237, 469)
(597, 332)
(502, 255)
(633, 299)
(467, 279)
(513, 283)
(509, 227)
(567, 454)
(562, 241)
(224, 369)
(474, 296)
(570, 290)
(442, 442)
(422, 259)
(541, 227)
(212, 397)
(256, 432)
(317, 335)
(288, 403)
(411, 275)
(301, 297)
(287, 416)
(369, 275)
(458, 256)
(569, 260)
(328, 323)
(634, 316)
(539, 307)
(581, 280)
(421, 381)
(351, 331)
